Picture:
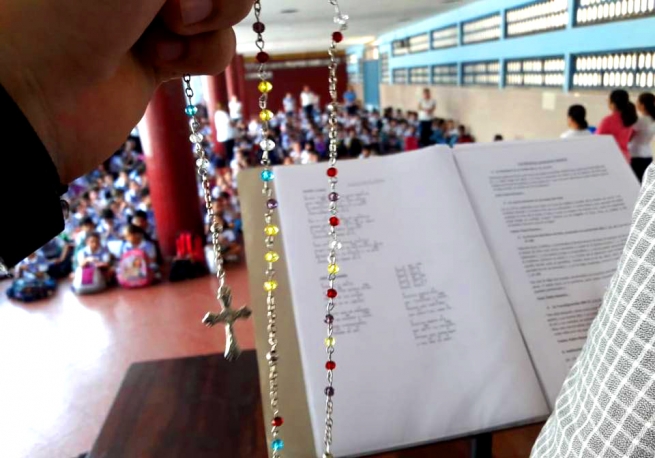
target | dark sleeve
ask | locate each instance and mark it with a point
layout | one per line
(30, 208)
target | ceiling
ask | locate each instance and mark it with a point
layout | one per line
(310, 27)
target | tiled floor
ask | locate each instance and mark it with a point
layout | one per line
(62, 362)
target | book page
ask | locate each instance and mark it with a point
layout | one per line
(556, 215)
(427, 346)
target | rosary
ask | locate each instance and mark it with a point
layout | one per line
(228, 316)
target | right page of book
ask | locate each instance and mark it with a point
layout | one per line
(427, 346)
(555, 215)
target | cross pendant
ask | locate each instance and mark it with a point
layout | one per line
(228, 316)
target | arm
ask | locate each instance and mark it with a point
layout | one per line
(603, 128)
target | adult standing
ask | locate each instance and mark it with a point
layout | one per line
(619, 124)
(236, 109)
(307, 102)
(426, 108)
(350, 99)
(577, 121)
(640, 145)
(289, 104)
(224, 133)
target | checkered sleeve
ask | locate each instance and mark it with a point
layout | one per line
(606, 407)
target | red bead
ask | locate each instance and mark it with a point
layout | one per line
(330, 365)
(262, 57)
(334, 221)
(331, 293)
(332, 172)
(258, 27)
(277, 421)
(337, 37)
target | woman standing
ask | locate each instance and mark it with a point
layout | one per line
(640, 145)
(577, 121)
(619, 124)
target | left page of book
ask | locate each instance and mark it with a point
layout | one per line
(427, 347)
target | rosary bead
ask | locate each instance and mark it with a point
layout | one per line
(277, 421)
(331, 293)
(258, 27)
(329, 391)
(202, 163)
(332, 172)
(191, 110)
(270, 285)
(196, 138)
(271, 204)
(329, 319)
(271, 256)
(330, 341)
(265, 87)
(267, 145)
(337, 37)
(271, 230)
(333, 197)
(277, 445)
(266, 115)
(330, 365)
(262, 57)
(335, 245)
(267, 175)
(334, 221)
(333, 269)
(272, 356)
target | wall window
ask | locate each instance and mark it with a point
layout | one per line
(419, 75)
(596, 11)
(538, 72)
(628, 69)
(446, 37)
(384, 68)
(411, 45)
(479, 30)
(541, 16)
(445, 74)
(400, 47)
(400, 76)
(481, 73)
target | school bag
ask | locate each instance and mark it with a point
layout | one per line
(189, 260)
(88, 280)
(31, 289)
(134, 269)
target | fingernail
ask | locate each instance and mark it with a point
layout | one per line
(170, 50)
(194, 11)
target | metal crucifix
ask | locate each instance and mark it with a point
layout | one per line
(228, 316)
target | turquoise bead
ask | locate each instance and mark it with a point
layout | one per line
(191, 110)
(277, 445)
(267, 175)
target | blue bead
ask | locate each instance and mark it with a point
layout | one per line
(191, 110)
(267, 175)
(277, 445)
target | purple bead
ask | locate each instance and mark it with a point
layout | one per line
(333, 197)
(329, 391)
(329, 319)
(271, 204)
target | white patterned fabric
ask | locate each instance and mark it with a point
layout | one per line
(607, 405)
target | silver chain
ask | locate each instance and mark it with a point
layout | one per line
(270, 231)
(333, 121)
(202, 165)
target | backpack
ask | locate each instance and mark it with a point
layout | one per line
(88, 280)
(30, 290)
(134, 269)
(189, 260)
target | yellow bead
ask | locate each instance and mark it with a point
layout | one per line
(271, 256)
(333, 269)
(265, 87)
(270, 285)
(266, 115)
(271, 230)
(330, 341)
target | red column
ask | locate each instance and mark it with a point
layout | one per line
(171, 166)
(231, 78)
(215, 89)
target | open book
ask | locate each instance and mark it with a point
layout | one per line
(469, 278)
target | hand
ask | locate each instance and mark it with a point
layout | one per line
(83, 71)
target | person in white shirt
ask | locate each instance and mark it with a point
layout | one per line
(289, 104)
(577, 121)
(236, 109)
(307, 102)
(224, 132)
(94, 253)
(640, 145)
(426, 108)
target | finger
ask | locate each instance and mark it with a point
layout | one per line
(172, 55)
(190, 17)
